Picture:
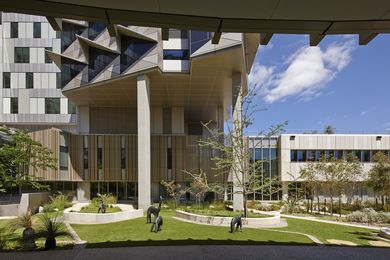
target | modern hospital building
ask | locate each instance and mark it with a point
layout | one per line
(122, 107)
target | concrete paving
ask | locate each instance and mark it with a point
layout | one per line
(207, 252)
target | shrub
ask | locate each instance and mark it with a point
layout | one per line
(252, 204)
(59, 202)
(369, 215)
(108, 199)
(50, 229)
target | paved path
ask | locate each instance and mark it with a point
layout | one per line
(208, 252)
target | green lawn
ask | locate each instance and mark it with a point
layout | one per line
(324, 231)
(174, 232)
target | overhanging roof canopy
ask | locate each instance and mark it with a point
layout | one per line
(315, 17)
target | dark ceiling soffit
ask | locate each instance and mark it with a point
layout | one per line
(212, 24)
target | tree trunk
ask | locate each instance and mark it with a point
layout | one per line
(340, 204)
(318, 204)
(331, 205)
(245, 204)
(325, 208)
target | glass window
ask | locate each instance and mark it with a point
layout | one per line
(58, 80)
(63, 158)
(338, 154)
(52, 106)
(29, 80)
(358, 155)
(22, 55)
(301, 156)
(14, 30)
(14, 105)
(6, 79)
(293, 156)
(95, 29)
(85, 157)
(69, 70)
(68, 34)
(198, 39)
(98, 60)
(123, 152)
(37, 29)
(100, 157)
(320, 154)
(366, 156)
(311, 157)
(47, 58)
(175, 54)
(132, 49)
(71, 108)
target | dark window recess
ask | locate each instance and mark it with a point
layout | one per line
(22, 55)
(98, 61)
(132, 49)
(52, 105)
(14, 30)
(58, 80)
(69, 70)
(14, 105)
(175, 54)
(63, 158)
(123, 158)
(294, 156)
(85, 158)
(68, 34)
(29, 80)
(95, 29)
(6, 79)
(100, 158)
(169, 158)
(198, 39)
(37, 30)
(47, 58)
(71, 108)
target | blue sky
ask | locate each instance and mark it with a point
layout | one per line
(338, 83)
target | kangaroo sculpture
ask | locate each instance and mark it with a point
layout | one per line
(156, 226)
(153, 210)
(236, 221)
(102, 207)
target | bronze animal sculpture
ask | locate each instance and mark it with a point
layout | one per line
(236, 221)
(153, 210)
(102, 207)
(157, 224)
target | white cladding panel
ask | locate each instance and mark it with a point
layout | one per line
(64, 106)
(6, 105)
(7, 30)
(44, 30)
(29, 30)
(41, 55)
(175, 65)
(33, 55)
(33, 106)
(21, 80)
(14, 80)
(41, 105)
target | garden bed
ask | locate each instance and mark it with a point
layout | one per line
(75, 215)
(261, 222)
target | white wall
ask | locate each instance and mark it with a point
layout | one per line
(325, 142)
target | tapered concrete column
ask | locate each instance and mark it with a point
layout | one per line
(143, 133)
(237, 177)
(83, 191)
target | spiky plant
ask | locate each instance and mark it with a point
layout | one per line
(28, 236)
(51, 228)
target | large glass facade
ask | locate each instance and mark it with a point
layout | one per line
(316, 155)
(132, 49)
(264, 152)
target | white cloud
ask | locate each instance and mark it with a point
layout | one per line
(303, 74)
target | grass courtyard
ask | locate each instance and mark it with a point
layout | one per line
(175, 232)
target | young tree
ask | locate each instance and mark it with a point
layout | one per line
(200, 186)
(309, 175)
(334, 174)
(379, 176)
(329, 130)
(174, 190)
(232, 154)
(20, 158)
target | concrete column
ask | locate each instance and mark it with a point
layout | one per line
(83, 191)
(237, 177)
(143, 133)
